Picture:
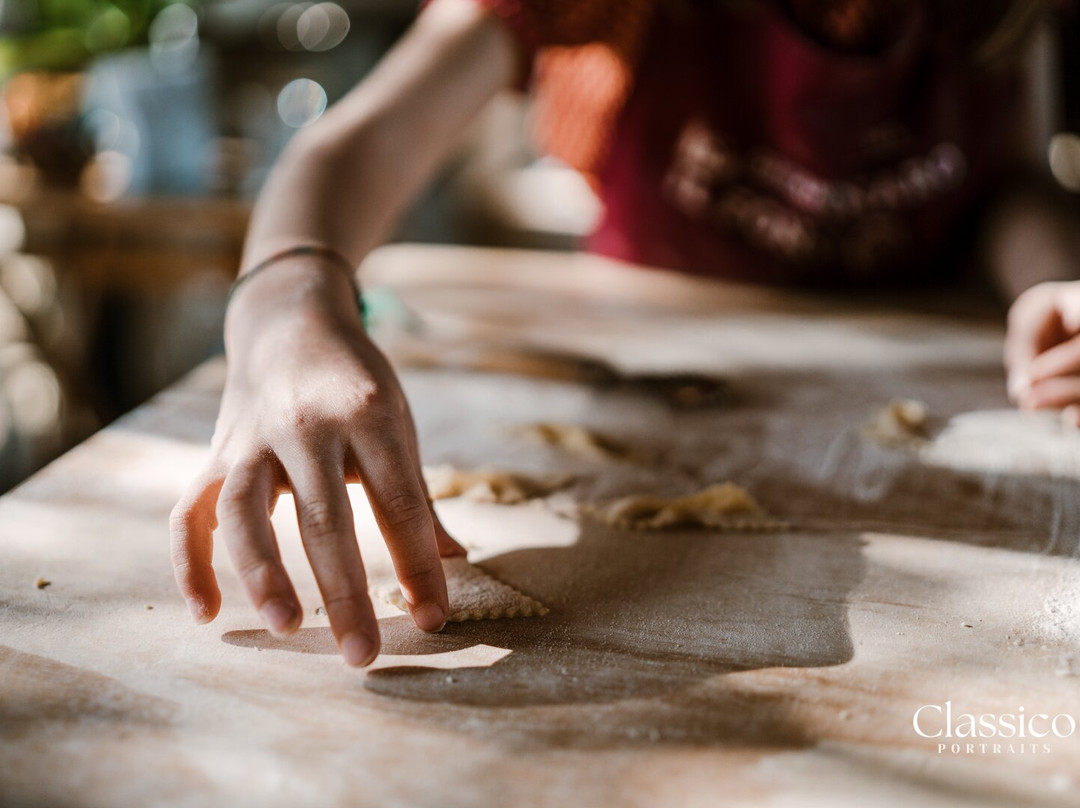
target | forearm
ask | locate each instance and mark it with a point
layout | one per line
(310, 403)
(345, 181)
(297, 298)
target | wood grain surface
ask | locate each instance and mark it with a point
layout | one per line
(685, 668)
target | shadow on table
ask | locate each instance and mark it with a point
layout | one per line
(649, 631)
(651, 622)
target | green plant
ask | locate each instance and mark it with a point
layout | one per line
(66, 34)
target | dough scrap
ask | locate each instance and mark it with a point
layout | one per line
(577, 440)
(474, 595)
(487, 485)
(900, 423)
(724, 506)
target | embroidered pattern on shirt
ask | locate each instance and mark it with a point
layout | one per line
(778, 206)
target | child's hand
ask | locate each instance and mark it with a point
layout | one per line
(1042, 349)
(310, 404)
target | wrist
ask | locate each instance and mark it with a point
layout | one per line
(319, 251)
(294, 293)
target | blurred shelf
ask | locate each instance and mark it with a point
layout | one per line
(138, 242)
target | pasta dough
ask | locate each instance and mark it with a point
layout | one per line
(577, 440)
(474, 595)
(901, 422)
(486, 485)
(725, 506)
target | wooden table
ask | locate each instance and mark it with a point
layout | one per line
(685, 668)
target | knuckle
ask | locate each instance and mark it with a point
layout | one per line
(408, 511)
(381, 415)
(181, 564)
(302, 416)
(374, 399)
(345, 604)
(418, 577)
(231, 503)
(362, 398)
(320, 519)
(180, 518)
(365, 395)
(257, 572)
(195, 505)
(369, 404)
(181, 555)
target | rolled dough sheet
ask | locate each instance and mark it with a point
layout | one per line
(577, 440)
(474, 595)
(488, 485)
(901, 423)
(724, 506)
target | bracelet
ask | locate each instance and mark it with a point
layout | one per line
(303, 249)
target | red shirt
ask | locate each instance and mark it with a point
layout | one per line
(746, 150)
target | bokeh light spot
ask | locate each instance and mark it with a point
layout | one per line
(1064, 154)
(322, 27)
(301, 102)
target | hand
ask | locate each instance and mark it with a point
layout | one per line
(1042, 349)
(310, 404)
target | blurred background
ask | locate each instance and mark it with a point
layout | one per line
(134, 135)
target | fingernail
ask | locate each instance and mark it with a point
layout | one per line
(358, 650)
(1071, 417)
(1018, 385)
(198, 613)
(279, 615)
(429, 617)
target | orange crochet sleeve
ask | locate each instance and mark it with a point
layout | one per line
(579, 58)
(543, 23)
